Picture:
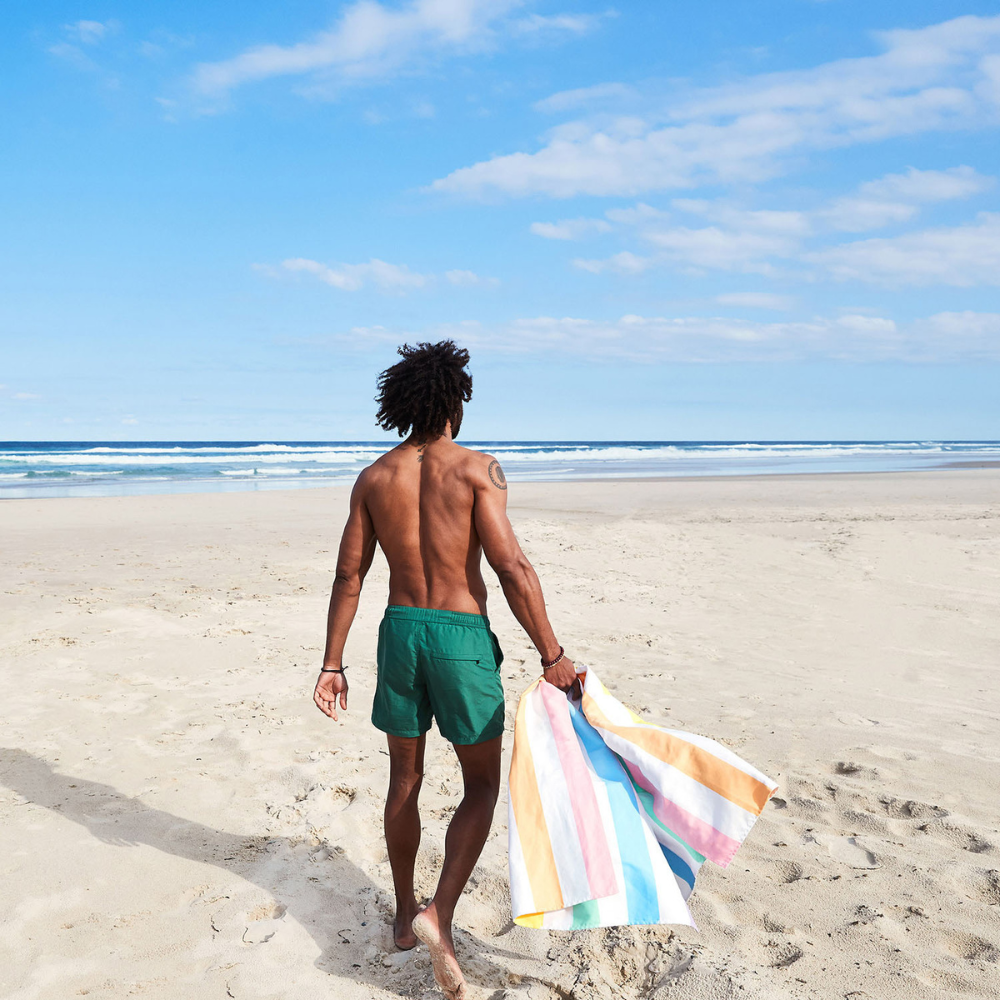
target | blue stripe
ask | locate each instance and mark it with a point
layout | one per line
(681, 870)
(640, 883)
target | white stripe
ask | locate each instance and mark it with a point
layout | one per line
(558, 920)
(556, 805)
(521, 899)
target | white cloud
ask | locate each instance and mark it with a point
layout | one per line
(929, 185)
(862, 323)
(718, 248)
(966, 326)
(72, 54)
(387, 277)
(643, 339)
(710, 247)
(623, 263)
(469, 279)
(371, 40)
(749, 240)
(575, 24)
(784, 224)
(636, 215)
(958, 255)
(894, 198)
(859, 215)
(566, 100)
(91, 32)
(569, 229)
(756, 300)
(25, 395)
(353, 277)
(574, 229)
(939, 77)
(82, 35)
(962, 256)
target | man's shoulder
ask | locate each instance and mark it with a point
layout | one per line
(478, 461)
(484, 468)
(474, 457)
(382, 466)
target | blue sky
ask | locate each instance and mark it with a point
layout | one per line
(649, 221)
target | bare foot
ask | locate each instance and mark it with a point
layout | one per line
(447, 973)
(402, 932)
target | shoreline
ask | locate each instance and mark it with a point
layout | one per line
(290, 486)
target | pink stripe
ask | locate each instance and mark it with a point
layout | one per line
(702, 836)
(586, 812)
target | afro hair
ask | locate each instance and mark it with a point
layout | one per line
(421, 393)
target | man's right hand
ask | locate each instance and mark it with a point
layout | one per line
(328, 687)
(562, 675)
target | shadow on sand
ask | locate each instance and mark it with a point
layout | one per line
(344, 897)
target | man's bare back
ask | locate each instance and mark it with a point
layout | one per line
(422, 501)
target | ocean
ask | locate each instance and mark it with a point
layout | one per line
(107, 468)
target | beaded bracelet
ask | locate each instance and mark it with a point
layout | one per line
(562, 653)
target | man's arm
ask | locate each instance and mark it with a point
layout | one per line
(517, 576)
(357, 547)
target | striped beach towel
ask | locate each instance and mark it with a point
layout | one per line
(610, 817)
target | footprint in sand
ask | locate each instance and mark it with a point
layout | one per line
(789, 872)
(988, 885)
(851, 719)
(957, 835)
(910, 809)
(263, 923)
(786, 955)
(846, 850)
(971, 948)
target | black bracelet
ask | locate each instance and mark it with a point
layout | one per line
(332, 670)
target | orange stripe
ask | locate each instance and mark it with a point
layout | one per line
(724, 779)
(536, 846)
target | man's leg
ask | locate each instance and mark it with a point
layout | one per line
(463, 844)
(402, 828)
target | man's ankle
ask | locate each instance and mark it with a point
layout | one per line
(443, 917)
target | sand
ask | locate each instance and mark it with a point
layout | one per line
(178, 820)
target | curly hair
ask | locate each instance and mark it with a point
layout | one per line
(425, 390)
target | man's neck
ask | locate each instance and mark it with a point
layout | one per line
(426, 442)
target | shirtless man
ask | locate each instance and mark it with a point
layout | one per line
(435, 508)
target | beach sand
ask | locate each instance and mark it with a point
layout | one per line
(178, 820)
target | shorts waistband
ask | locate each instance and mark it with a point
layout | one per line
(436, 615)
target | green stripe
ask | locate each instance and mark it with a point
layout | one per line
(585, 915)
(646, 799)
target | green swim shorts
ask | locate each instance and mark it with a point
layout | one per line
(440, 664)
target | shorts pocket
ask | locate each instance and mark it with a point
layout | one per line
(497, 651)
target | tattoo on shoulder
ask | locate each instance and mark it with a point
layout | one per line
(497, 478)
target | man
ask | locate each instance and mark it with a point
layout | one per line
(435, 508)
